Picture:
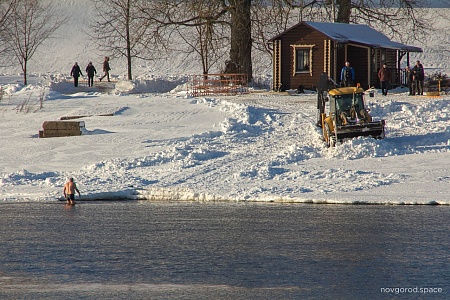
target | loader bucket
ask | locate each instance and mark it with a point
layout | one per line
(373, 129)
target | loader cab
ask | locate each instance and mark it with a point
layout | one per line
(346, 105)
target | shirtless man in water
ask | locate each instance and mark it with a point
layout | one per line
(69, 191)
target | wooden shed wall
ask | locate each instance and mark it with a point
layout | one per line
(302, 35)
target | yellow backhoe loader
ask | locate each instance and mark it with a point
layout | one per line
(342, 113)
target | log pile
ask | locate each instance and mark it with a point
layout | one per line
(61, 128)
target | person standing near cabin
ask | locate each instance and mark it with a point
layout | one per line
(384, 75)
(69, 191)
(419, 77)
(347, 75)
(91, 71)
(409, 80)
(75, 73)
(106, 69)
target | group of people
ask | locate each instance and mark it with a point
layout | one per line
(90, 71)
(415, 78)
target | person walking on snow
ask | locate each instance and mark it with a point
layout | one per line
(106, 69)
(76, 72)
(91, 71)
(69, 191)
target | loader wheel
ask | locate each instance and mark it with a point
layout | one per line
(329, 137)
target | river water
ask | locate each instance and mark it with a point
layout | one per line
(147, 250)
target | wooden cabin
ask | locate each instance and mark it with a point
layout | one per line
(303, 52)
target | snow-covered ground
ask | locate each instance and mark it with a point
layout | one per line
(157, 142)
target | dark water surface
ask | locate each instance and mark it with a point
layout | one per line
(145, 250)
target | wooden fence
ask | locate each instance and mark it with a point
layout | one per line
(218, 84)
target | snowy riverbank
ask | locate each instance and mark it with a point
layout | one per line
(255, 147)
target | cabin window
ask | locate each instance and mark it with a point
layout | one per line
(302, 59)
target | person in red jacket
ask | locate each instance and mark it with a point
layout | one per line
(385, 76)
(106, 69)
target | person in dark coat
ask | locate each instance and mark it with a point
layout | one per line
(419, 77)
(347, 75)
(76, 72)
(410, 80)
(91, 71)
(385, 76)
(106, 69)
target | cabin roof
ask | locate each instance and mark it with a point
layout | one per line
(356, 33)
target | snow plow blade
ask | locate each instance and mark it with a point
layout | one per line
(373, 129)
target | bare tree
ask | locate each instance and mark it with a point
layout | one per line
(6, 7)
(211, 38)
(28, 25)
(205, 37)
(270, 19)
(207, 41)
(122, 31)
(394, 18)
(235, 14)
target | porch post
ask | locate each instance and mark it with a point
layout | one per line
(369, 71)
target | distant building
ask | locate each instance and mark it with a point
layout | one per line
(303, 52)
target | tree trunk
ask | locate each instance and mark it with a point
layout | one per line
(24, 69)
(128, 40)
(344, 11)
(241, 39)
